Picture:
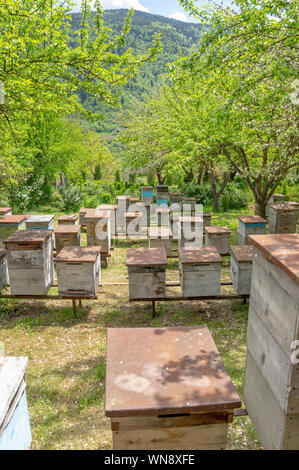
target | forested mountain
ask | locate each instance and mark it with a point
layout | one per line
(178, 38)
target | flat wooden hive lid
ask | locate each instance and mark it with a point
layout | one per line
(281, 250)
(281, 207)
(41, 218)
(93, 215)
(191, 218)
(107, 207)
(206, 254)
(217, 230)
(242, 252)
(252, 219)
(4, 210)
(67, 229)
(160, 232)
(83, 210)
(29, 237)
(68, 217)
(12, 371)
(161, 187)
(154, 371)
(75, 254)
(133, 215)
(123, 197)
(162, 210)
(206, 214)
(13, 219)
(147, 187)
(146, 257)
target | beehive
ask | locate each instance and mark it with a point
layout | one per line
(113, 209)
(133, 224)
(15, 433)
(206, 219)
(10, 224)
(241, 268)
(29, 256)
(123, 203)
(147, 273)
(275, 199)
(175, 198)
(68, 219)
(189, 205)
(190, 231)
(98, 230)
(67, 235)
(78, 270)
(82, 213)
(162, 216)
(174, 224)
(271, 390)
(178, 397)
(161, 237)
(5, 211)
(147, 194)
(218, 237)
(282, 218)
(145, 209)
(3, 270)
(40, 222)
(161, 195)
(250, 225)
(200, 271)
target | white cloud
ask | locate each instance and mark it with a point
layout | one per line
(110, 4)
(178, 15)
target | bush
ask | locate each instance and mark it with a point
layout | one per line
(202, 193)
(233, 197)
(106, 198)
(70, 198)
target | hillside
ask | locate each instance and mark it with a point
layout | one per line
(178, 38)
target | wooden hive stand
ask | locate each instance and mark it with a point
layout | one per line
(178, 397)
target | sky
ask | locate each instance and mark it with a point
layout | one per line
(168, 8)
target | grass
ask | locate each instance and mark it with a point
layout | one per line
(66, 373)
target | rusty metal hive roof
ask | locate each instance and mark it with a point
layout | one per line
(146, 257)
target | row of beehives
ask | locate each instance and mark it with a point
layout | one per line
(27, 265)
(200, 271)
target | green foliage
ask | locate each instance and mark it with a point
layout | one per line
(233, 197)
(202, 193)
(70, 198)
(106, 198)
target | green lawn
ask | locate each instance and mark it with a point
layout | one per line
(66, 373)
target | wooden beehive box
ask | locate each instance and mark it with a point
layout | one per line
(189, 204)
(282, 218)
(133, 224)
(67, 235)
(68, 219)
(10, 224)
(161, 195)
(250, 225)
(78, 270)
(200, 271)
(275, 199)
(113, 209)
(145, 209)
(40, 222)
(29, 256)
(82, 213)
(218, 237)
(5, 211)
(15, 433)
(3, 270)
(147, 273)
(147, 194)
(241, 268)
(178, 397)
(160, 237)
(190, 231)
(271, 389)
(98, 229)
(175, 198)
(123, 203)
(162, 216)
(206, 219)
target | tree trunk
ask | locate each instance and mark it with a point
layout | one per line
(201, 175)
(161, 179)
(260, 208)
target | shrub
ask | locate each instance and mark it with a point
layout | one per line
(233, 197)
(106, 198)
(70, 198)
(202, 193)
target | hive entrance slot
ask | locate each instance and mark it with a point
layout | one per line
(176, 415)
